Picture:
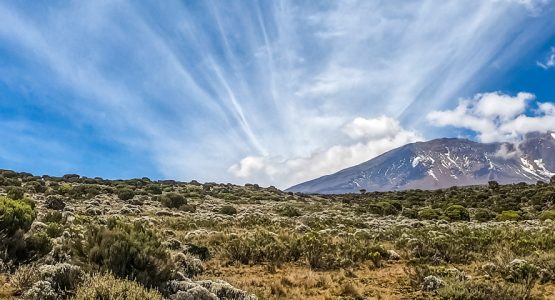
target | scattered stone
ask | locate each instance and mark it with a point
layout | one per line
(432, 283)
(391, 254)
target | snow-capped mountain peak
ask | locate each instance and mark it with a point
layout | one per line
(443, 163)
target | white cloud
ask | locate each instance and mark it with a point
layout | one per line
(497, 117)
(369, 138)
(372, 129)
(549, 61)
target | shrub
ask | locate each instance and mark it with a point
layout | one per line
(409, 213)
(24, 277)
(84, 191)
(54, 230)
(64, 278)
(15, 192)
(154, 189)
(457, 213)
(109, 288)
(41, 290)
(188, 208)
(508, 215)
(227, 210)
(36, 187)
(389, 208)
(125, 194)
(53, 217)
(547, 215)
(483, 215)
(15, 215)
(173, 200)
(188, 264)
(55, 202)
(289, 211)
(127, 250)
(429, 214)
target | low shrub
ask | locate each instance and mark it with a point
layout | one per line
(457, 213)
(227, 210)
(129, 251)
(110, 288)
(289, 211)
(508, 215)
(483, 215)
(429, 214)
(15, 192)
(15, 215)
(173, 200)
(188, 264)
(547, 215)
(125, 194)
(55, 202)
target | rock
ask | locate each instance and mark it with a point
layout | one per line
(391, 254)
(432, 283)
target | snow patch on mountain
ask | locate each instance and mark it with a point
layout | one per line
(431, 173)
(416, 161)
(542, 169)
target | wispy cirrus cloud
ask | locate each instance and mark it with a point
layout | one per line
(549, 61)
(201, 86)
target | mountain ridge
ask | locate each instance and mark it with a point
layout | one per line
(444, 162)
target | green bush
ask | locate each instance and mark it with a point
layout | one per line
(409, 213)
(125, 194)
(129, 251)
(547, 215)
(289, 211)
(457, 213)
(227, 210)
(154, 189)
(15, 192)
(23, 248)
(54, 230)
(483, 215)
(508, 215)
(429, 214)
(107, 287)
(15, 215)
(173, 200)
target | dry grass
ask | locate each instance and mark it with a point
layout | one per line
(6, 289)
(293, 281)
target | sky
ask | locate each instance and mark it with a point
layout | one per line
(273, 92)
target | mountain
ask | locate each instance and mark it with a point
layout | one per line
(443, 163)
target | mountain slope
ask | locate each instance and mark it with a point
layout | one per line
(443, 163)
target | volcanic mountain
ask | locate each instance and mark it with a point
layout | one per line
(443, 163)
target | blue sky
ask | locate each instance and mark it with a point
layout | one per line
(271, 92)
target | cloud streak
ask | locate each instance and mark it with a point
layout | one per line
(549, 61)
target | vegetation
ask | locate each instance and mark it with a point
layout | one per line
(75, 237)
